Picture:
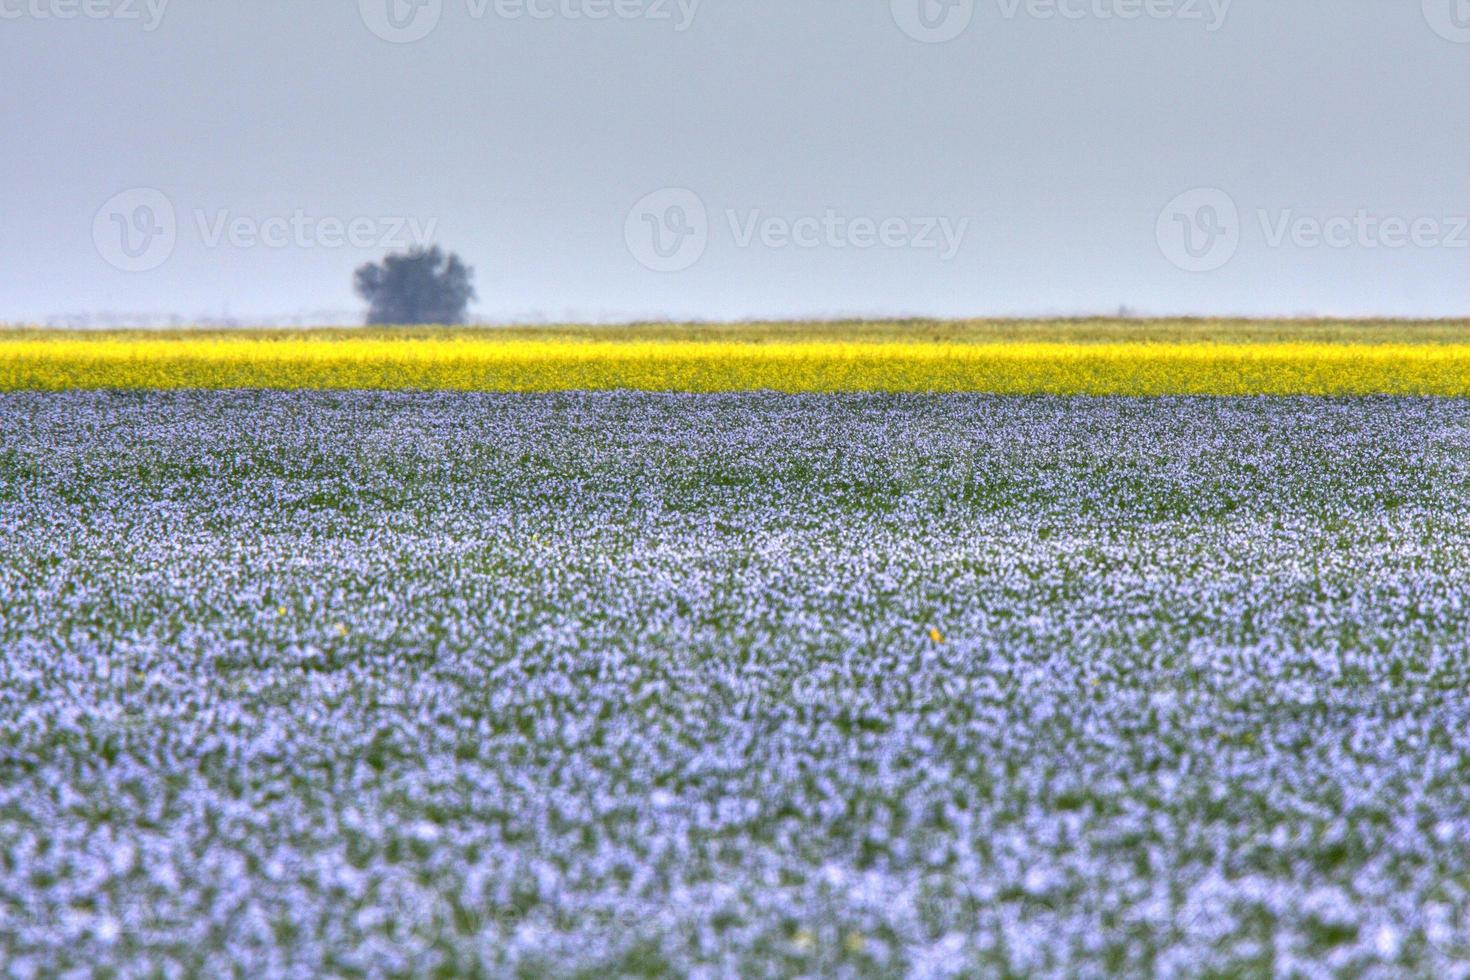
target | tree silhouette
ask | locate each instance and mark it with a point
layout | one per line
(415, 287)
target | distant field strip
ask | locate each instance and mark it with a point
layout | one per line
(482, 362)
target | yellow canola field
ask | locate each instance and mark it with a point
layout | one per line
(487, 364)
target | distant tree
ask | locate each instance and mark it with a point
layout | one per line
(417, 286)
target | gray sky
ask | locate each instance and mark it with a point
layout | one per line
(848, 156)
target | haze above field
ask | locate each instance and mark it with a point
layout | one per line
(1041, 155)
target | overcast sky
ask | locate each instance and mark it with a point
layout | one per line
(736, 158)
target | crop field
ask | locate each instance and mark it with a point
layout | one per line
(621, 683)
(1061, 358)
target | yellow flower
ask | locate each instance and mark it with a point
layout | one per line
(341, 630)
(935, 635)
(704, 362)
(280, 610)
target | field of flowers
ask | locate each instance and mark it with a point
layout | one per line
(1065, 358)
(374, 683)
